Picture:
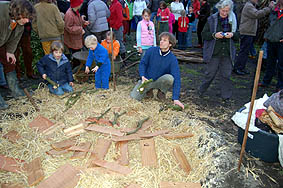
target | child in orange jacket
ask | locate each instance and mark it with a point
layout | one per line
(106, 43)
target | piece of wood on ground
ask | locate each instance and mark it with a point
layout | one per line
(11, 185)
(113, 166)
(100, 150)
(277, 121)
(41, 123)
(177, 135)
(123, 158)
(126, 138)
(181, 159)
(133, 186)
(65, 177)
(148, 153)
(144, 127)
(76, 130)
(63, 145)
(48, 132)
(54, 152)
(179, 185)
(34, 171)
(82, 147)
(80, 151)
(13, 136)
(100, 121)
(153, 134)
(106, 130)
(10, 164)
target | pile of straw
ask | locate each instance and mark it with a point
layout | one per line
(32, 144)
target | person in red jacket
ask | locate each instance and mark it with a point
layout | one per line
(116, 22)
(183, 23)
(196, 7)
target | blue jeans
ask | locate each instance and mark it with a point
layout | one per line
(2, 76)
(194, 25)
(61, 89)
(182, 40)
(153, 14)
(189, 36)
(245, 44)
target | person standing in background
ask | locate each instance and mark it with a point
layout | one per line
(153, 7)
(203, 14)
(49, 24)
(176, 8)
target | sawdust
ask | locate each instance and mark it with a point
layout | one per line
(33, 144)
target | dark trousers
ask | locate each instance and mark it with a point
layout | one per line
(199, 30)
(182, 40)
(224, 65)
(24, 45)
(245, 45)
(274, 63)
(100, 35)
(175, 29)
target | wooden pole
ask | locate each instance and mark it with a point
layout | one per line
(251, 108)
(112, 59)
(31, 100)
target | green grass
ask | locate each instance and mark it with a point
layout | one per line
(191, 71)
(236, 80)
(240, 87)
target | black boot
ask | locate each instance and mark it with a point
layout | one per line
(3, 104)
(14, 85)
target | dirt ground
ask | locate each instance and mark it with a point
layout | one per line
(270, 174)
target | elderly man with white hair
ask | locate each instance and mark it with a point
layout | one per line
(219, 49)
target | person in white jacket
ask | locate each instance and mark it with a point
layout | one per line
(176, 8)
(139, 6)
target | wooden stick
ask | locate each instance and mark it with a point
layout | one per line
(251, 107)
(31, 100)
(112, 59)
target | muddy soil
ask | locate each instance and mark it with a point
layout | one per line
(218, 116)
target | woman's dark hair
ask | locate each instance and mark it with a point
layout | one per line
(21, 9)
(146, 10)
(163, 4)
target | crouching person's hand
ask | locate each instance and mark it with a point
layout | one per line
(44, 76)
(71, 84)
(86, 69)
(95, 69)
(177, 102)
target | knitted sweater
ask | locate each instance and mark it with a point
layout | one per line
(154, 65)
(49, 23)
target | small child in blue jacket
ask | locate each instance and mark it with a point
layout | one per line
(57, 67)
(98, 54)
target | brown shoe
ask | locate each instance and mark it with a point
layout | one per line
(160, 95)
(149, 94)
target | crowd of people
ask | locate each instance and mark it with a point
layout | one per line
(71, 26)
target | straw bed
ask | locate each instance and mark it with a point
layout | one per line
(33, 144)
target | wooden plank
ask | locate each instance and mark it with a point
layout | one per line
(179, 185)
(148, 153)
(63, 145)
(123, 158)
(145, 126)
(65, 177)
(53, 128)
(181, 159)
(101, 148)
(106, 130)
(10, 164)
(13, 136)
(133, 186)
(126, 138)
(34, 171)
(113, 166)
(153, 134)
(41, 123)
(177, 135)
(14, 185)
(82, 147)
(78, 155)
(75, 130)
(53, 152)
